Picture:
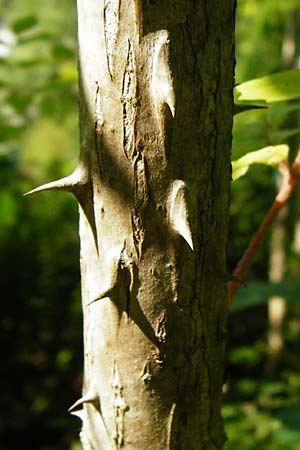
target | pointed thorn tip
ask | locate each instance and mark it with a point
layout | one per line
(89, 397)
(53, 186)
(69, 183)
(80, 414)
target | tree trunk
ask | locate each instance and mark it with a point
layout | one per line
(153, 182)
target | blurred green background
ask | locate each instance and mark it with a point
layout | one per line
(41, 321)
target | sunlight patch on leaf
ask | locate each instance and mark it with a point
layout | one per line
(270, 156)
(272, 88)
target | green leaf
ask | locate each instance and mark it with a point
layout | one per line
(249, 132)
(279, 136)
(24, 23)
(248, 356)
(289, 415)
(31, 62)
(258, 293)
(272, 88)
(270, 156)
(278, 112)
(61, 52)
(36, 35)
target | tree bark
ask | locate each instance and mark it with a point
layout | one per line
(153, 182)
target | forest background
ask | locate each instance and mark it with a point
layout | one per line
(41, 320)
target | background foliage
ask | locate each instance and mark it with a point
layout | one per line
(261, 401)
(41, 323)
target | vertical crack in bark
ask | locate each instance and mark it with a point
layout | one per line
(98, 123)
(161, 331)
(119, 406)
(140, 201)
(162, 337)
(98, 115)
(127, 272)
(129, 103)
(111, 27)
(146, 375)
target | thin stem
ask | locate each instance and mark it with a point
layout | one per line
(290, 176)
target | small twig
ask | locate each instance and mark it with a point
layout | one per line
(290, 176)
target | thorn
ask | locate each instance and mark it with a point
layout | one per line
(89, 397)
(79, 184)
(237, 279)
(177, 212)
(80, 414)
(78, 178)
(104, 294)
(237, 109)
(227, 276)
(217, 272)
(114, 260)
(162, 81)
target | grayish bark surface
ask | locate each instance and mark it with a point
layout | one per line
(153, 180)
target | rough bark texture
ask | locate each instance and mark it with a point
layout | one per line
(153, 180)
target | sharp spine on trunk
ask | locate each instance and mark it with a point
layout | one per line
(116, 263)
(81, 414)
(89, 397)
(105, 293)
(162, 82)
(177, 211)
(70, 183)
(237, 109)
(78, 184)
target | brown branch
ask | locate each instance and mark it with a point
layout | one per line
(290, 176)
